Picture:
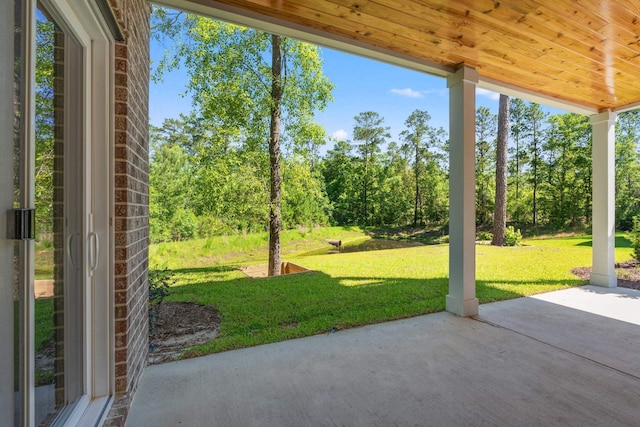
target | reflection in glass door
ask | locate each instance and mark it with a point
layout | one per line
(49, 274)
(59, 248)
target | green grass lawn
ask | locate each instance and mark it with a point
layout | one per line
(245, 248)
(351, 289)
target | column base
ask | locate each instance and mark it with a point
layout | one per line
(463, 308)
(604, 280)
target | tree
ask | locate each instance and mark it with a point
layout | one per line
(517, 108)
(304, 198)
(275, 212)
(627, 168)
(170, 181)
(46, 73)
(394, 194)
(338, 170)
(500, 206)
(568, 190)
(369, 134)
(262, 85)
(534, 131)
(419, 137)
(486, 123)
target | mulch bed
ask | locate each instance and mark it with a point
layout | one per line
(628, 274)
(180, 325)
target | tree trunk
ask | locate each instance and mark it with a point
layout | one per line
(500, 208)
(275, 218)
(517, 211)
(535, 173)
(417, 177)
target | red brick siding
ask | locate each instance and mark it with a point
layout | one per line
(131, 198)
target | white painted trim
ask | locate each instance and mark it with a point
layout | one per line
(527, 95)
(90, 60)
(628, 107)
(7, 35)
(224, 12)
(27, 199)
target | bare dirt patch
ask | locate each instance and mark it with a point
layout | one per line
(262, 270)
(180, 325)
(628, 274)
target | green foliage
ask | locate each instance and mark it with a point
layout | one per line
(369, 134)
(567, 187)
(512, 237)
(304, 197)
(634, 236)
(44, 125)
(486, 127)
(233, 182)
(43, 377)
(627, 169)
(43, 321)
(420, 139)
(161, 279)
(484, 236)
(212, 168)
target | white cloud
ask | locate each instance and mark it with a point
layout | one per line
(437, 92)
(408, 92)
(487, 93)
(340, 135)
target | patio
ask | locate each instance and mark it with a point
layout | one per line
(563, 358)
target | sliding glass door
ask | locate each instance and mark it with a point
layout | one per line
(57, 210)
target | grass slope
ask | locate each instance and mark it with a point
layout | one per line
(351, 289)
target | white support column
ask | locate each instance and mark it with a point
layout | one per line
(604, 199)
(462, 192)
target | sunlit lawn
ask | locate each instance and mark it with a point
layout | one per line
(351, 289)
(244, 248)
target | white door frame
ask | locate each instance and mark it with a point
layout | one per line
(84, 20)
(94, 59)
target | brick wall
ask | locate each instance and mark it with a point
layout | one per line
(131, 220)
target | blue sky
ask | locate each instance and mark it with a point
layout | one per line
(360, 85)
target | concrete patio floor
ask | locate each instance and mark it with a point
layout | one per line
(568, 358)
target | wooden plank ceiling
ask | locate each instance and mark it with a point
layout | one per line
(584, 52)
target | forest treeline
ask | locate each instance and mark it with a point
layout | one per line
(202, 184)
(210, 170)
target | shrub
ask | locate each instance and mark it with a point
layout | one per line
(160, 281)
(184, 225)
(512, 237)
(484, 235)
(443, 239)
(634, 236)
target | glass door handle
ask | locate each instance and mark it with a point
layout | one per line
(94, 252)
(70, 251)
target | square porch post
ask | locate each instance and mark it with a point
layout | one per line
(462, 192)
(604, 198)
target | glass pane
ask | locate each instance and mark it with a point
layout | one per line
(51, 370)
(49, 345)
(57, 253)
